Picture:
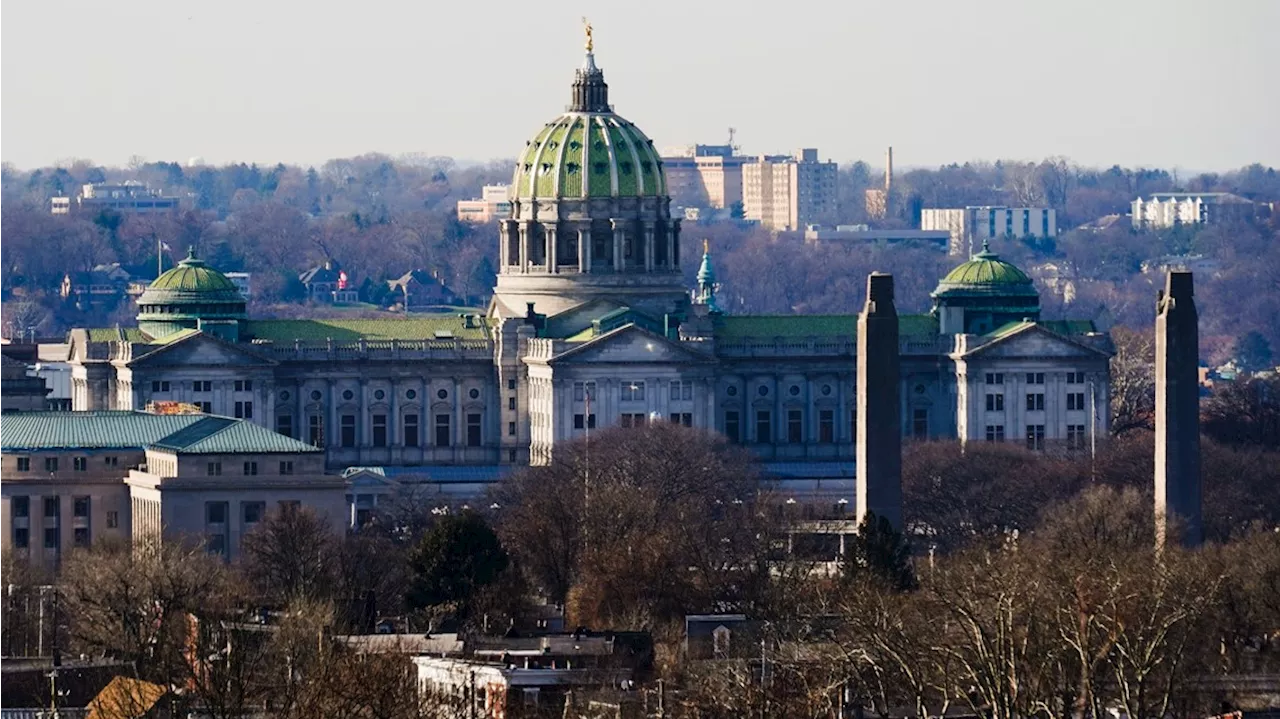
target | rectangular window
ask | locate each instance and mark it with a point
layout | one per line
(733, 426)
(214, 469)
(633, 391)
(511, 384)
(51, 538)
(1035, 378)
(252, 512)
(1075, 378)
(250, 469)
(1075, 401)
(284, 425)
(111, 461)
(1075, 436)
(511, 428)
(511, 455)
(286, 468)
(591, 421)
(206, 407)
(764, 426)
(215, 513)
(80, 507)
(379, 430)
(473, 430)
(826, 426)
(216, 544)
(202, 386)
(24, 464)
(681, 390)
(51, 464)
(80, 536)
(511, 403)
(20, 507)
(159, 386)
(995, 433)
(795, 426)
(444, 437)
(21, 537)
(683, 418)
(995, 403)
(579, 421)
(1035, 436)
(1035, 401)
(636, 419)
(244, 410)
(411, 430)
(113, 520)
(920, 423)
(315, 430)
(244, 385)
(80, 464)
(348, 430)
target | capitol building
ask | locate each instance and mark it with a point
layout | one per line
(591, 326)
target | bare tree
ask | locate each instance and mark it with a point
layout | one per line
(1133, 382)
(290, 555)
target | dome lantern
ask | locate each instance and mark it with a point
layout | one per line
(191, 295)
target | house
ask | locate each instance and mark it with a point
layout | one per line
(329, 284)
(419, 288)
(103, 283)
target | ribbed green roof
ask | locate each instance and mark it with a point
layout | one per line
(589, 154)
(117, 334)
(119, 429)
(193, 275)
(985, 273)
(1065, 328)
(732, 327)
(412, 328)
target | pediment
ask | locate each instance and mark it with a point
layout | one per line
(201, 350)
(630, 345)
(1034, 341)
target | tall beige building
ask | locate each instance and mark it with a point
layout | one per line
(704, 175)
(785, 193)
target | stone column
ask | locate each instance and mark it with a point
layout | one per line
(1177, 474)
(524, 246)
(674, 243)
(550, 234)
(584, 251)
(879, 439)
(618, 228)
(648, 246)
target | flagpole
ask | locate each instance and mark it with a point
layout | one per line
(159, 258)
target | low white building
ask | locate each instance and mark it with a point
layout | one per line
(493, 204)
(1168, 209)
(969, 226)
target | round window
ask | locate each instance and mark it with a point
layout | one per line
(795, 390)
(411, 394)
(919, 389)
(348, 394)
(284, 395)
(443, 394)
(474, 394)
(731, 391)
(315, 394)
(763, 390)
(826, 390)
(379, 394)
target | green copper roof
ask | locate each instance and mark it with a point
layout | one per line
(193, 275)
(736, 327)
(117, 334)
(589, 154)
(1066, 328)
(413, 328)
(190, 433)
(985, 273)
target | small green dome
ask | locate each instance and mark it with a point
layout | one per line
(194, 276)
(986, 273)
(589, 151)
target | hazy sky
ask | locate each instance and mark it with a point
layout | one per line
(1176, 83)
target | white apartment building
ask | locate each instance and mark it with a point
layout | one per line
(1168, 209)
(969, 226)
(786, 193)
(492, 205)
(704, 176)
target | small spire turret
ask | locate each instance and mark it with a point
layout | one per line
(707, 285)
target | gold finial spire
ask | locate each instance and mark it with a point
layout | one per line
(586, 24)
(706, 246)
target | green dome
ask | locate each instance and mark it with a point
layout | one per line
(985, 273)
(589, 151)
(193, 276)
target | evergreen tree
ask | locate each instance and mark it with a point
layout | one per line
(455, 560)
(879, 553)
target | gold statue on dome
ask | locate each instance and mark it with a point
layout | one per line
(586, 24)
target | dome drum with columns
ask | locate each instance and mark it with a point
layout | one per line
(191, 296)
(590, 215)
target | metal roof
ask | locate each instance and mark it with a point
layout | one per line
(119, 429)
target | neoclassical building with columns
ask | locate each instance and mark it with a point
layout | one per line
(591, 326)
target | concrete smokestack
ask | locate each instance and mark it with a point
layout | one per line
(1177, 472)
(888, 170)
(879, 440)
